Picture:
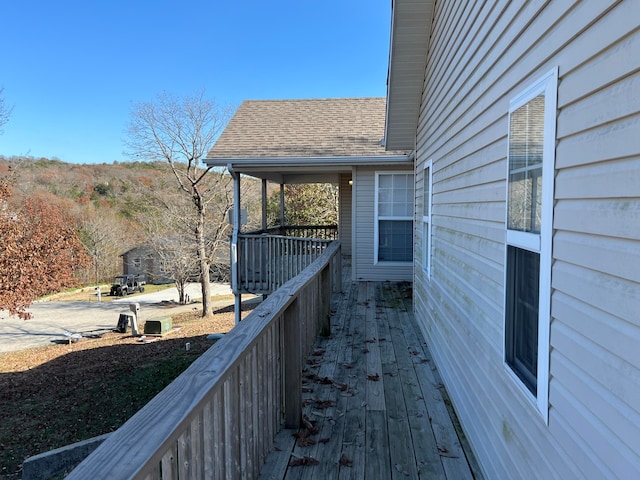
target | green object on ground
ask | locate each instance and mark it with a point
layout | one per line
(158, 326)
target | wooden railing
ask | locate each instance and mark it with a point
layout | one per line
(218, 418)
(266, 262)
(268, 258)
(325, 232)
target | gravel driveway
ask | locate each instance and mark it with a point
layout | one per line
(51, 319)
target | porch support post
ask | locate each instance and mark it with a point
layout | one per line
(264, 204)
(235, 269)
(282, 204)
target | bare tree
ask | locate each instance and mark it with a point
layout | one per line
(101, 234)
(181, 131)
(5, 111)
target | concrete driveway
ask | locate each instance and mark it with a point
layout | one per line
(51, 319)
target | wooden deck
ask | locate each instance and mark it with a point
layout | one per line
(373, 404)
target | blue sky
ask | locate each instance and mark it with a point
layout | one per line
(73, 69)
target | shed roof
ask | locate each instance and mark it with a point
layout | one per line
(311, 128)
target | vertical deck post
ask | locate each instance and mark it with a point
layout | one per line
(264, 204)
(292, 366)
(235, 274)
(325, 300)
(282, 205)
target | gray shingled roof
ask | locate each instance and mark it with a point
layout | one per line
(335, 127)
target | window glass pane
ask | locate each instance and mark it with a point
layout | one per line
(526, 139)
(385, 181)
(523, 279)
(395, 241)
(426, 209)
(525, 200)
(385, 195)
(395, 195)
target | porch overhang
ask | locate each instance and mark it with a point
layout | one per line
(290, 170)
(410, 32)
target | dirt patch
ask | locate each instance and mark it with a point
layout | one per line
(56, 395)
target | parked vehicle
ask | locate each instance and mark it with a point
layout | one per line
(126, 284)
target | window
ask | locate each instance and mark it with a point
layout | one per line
(530, 178)
(137, 262)
(426, 218)
(394, 217)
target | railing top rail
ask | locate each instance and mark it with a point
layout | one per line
(290, 227)
(144, 438)
(285, 237)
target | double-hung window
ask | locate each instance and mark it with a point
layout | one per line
(394, 217)
(530, 183)
(426, 217)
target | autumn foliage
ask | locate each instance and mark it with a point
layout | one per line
(40, 253)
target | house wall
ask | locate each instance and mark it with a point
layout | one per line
(481, 55)
(128, 261)
(363, 266)
(149, 267)
(345, 218)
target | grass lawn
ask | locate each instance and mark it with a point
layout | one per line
(89, 293)
(56, 395)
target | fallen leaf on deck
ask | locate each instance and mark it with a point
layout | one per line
(444, 452)
(373, 378)
(321, 404)
(306, 441)
(296, 462)
(344, 460)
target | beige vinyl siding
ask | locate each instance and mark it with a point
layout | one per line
(345, 218)
(363, 265)
(481, 55)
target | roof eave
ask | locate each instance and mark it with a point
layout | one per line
(307, 169)
(410, 32)
(310, 162)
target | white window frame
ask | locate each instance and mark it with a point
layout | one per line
(540, 243)
(163, 266)
(427, 175)
(377, 217)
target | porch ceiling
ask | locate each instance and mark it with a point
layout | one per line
(410, 32)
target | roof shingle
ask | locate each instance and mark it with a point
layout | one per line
(336, 127)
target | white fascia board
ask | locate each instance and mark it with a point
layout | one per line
(240, 163)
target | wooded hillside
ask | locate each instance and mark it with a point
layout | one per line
(121, 205)
(108, 202)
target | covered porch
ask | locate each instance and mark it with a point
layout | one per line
(312, 141)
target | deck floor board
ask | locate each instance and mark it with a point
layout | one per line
(372, 396)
